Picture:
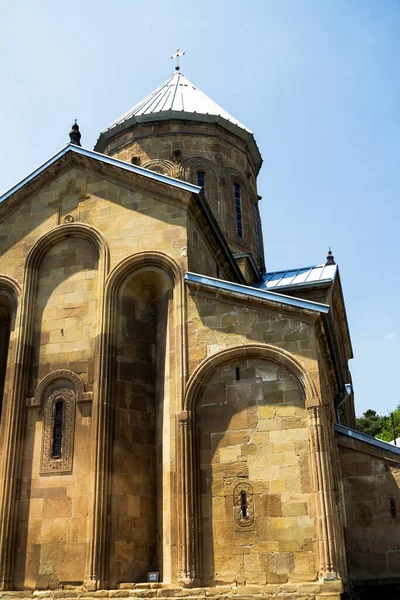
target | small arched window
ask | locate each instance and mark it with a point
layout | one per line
(58, 429)
(201, 179)
(238, 208)
(257, 230)
(243, 505)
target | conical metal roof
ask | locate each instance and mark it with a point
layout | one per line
(178, 98)
(177, 94)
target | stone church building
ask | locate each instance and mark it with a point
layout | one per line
(176, 421)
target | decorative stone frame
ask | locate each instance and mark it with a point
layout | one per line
(237, 513)
(51, 388)
(63, 464)
(81, 395)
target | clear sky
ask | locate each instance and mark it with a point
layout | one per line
(317, 81)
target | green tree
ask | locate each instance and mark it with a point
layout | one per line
(370, 423)
(379, 426)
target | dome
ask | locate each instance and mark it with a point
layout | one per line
(178, 98)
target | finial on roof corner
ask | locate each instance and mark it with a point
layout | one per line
(177, 55)
(75, 134)
(330, 259)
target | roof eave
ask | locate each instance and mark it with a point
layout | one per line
(252, 292)
(183, 185)
(244, 134)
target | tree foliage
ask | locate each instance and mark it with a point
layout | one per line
(380, 426)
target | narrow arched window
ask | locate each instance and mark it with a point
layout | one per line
(238, 208)
(201, 179)
(392, 507)
(58, 429)
(243, 505)
(257, 229)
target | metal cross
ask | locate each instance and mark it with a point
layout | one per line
(177, 55)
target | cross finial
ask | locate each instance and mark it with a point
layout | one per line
(177, 55)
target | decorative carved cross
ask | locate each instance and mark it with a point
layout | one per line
(177, 55)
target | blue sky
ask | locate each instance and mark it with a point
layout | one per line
(318, 83)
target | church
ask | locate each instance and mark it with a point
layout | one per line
(176, 420)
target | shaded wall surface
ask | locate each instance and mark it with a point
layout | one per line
(371, 498)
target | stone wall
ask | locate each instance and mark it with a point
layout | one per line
(255, 459)
(371, 500)
(181, 150)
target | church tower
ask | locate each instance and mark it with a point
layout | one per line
(179, 131)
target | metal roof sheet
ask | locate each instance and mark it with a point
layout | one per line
(304, 276)
(179, 99)
(364, 437)
(249, 291)
(176, 94)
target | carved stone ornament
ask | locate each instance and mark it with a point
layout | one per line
(241, 491)
(366, 516)
(68, 219)
(64, 462)
(51, 378)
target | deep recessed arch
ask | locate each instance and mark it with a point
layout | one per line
(190, 434)
(113, 370)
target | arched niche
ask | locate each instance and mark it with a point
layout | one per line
(59, 256)
(9, 294)
(56, 262)
(145, 320)
(234, 400)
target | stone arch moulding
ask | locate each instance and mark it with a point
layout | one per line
(319, 455)
(203, 372)
(55, 235)
(11, 288)
(23, 341)
(192, 164)
(161, 165)
(81, 395)
(97, 563)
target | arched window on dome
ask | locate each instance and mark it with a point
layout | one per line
(201, 179)
(257, 230)
(238, 209)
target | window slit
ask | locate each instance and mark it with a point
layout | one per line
(243, 505)
(58, 429)
(393, 508)
(237, 374)
(201, 176)
(238, 208)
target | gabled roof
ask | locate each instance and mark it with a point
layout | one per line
(301, 277)
(83, 157)
(103, 158)
(178, 98)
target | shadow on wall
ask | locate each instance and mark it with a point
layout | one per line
(371, 481)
